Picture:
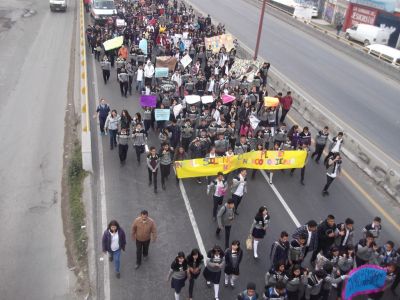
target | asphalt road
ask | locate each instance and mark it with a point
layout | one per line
(127, 193)
(360, 96)
(34, 79)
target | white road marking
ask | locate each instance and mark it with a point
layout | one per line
(283, 202)
(103, 202)
(192, 219)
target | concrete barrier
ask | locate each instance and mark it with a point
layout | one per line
(86, 143)
(371, 160)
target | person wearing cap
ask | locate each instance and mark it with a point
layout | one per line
(143, 230)
(249, 293)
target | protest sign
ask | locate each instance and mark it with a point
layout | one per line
(271, 102)
(254, 121)
(260, 160)
(216, 42)
(161, 72)
(161, 114)
(143, 46)
(113, 43)
(186, 60)
(227, 98)
(177, 109)
(192, 99)
(207, 99)
(186, 41)
(364, 280)
(245, 67)
(148, 100)
(120, 22)
(166, 62)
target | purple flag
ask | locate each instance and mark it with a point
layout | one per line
(148, 100)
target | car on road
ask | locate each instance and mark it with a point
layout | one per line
(58, 5)
(368, 34)
(101, 10)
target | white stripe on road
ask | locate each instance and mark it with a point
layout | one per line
(283, 202)
(103, 202)
(193, 220)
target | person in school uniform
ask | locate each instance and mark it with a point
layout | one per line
(194, 261)
(239, 188)
(233, 258)
(259, 227)
(123, 145)
(214, 266)
(219, 186)
(178, 274)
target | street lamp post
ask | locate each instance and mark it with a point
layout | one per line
(260, 25)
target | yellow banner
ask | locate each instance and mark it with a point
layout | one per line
(261, 160)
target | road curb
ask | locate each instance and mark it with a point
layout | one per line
(85, 118)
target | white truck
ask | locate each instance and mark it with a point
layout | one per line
(368, 34)
(58, 5)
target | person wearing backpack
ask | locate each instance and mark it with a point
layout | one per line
(219, 186)
(225, 219)
(249, 293)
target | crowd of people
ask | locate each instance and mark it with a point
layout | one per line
(216, 129)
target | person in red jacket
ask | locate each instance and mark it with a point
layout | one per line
(286, 103)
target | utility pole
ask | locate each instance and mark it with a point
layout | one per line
(260, 25)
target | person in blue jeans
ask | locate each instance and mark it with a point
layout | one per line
(111, 127)
(113, 242)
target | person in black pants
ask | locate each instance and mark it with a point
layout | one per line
(320, 142)
(153, 163)
(102, 112)
(225, 219)
(194, 261)
(123, 144)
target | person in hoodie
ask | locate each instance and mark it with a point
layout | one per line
(233, 258)
(214, 265)
(295, 280)
(114, 240)
(178, 274)
(259, 227)
(280, 250)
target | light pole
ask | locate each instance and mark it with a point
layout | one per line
(260, 25)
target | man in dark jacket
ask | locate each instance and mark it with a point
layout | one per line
(327, 232)
(280, 250)
(310, 230)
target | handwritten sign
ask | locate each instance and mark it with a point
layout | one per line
(186, 60)
(216, 42)
(162, 114)
(364, 280)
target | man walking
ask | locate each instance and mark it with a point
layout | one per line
(225, 219)
(219, 186)
(123, 79)
(334, 147)
(333, 170)
(102, 111)
(143, 230)
(106, 68)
